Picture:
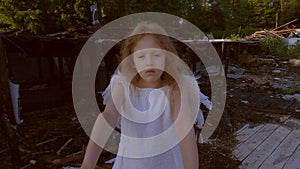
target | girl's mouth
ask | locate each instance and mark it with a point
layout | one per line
(150, 71)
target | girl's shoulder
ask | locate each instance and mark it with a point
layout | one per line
(115, 86)
(116, 78)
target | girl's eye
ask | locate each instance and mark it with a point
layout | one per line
(140, 56)
(157, 54)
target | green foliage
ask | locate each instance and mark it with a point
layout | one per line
(234, 37)
(291, 90)
(222, 17)
(248, 30)
(28, 20)
(44, 16)
(264, 13)
(289, 10)
(262, 88)
(275, 46)
(294, 50)
(18, 17)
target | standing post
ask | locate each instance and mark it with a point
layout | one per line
(95, 16)
(6, 109)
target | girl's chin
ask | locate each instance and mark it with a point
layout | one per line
(150, 80)
(151, 77)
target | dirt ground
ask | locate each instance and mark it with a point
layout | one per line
(53, 138)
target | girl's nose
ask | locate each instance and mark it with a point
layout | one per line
(149, 60)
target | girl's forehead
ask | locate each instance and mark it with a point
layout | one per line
(152, 50)
(147, 41)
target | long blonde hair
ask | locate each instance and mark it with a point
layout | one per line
(159, 35)
(177, 68)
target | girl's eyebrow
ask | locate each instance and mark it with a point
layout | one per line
(152, 50)
(139, 52)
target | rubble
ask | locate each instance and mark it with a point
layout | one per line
(294, 62)
(269, 61)
(292, 97)
(235, 72)
(31, 162)
(276, 71)
(283, 31)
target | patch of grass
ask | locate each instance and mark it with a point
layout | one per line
(261, 88)
(294, 50)
(234, 37)
(292, 90)
(273, 46)
(276, 47)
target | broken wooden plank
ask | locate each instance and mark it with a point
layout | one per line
(286, 24)
(246, 133)
(270, 33)
(281, 155)
(265, 149)
(244, 149)
(45, 142)
(64, 146)
(293, 162)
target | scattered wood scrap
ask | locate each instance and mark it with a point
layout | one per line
(65, 145)
(282, 31)
(287, 25)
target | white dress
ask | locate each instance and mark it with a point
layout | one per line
(170, 159)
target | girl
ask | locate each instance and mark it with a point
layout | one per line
(146, 97)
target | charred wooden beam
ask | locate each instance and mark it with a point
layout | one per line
(6, 110)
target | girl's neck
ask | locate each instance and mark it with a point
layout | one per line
(144, 84)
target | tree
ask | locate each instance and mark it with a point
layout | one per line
(20, 15)
(256, 13)
(45, 16)
(289, 10)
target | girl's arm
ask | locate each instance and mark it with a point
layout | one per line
(93, 151)
(189, 151)
(92, 154)
(188, 145)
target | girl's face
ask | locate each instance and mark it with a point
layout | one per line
(149, 60)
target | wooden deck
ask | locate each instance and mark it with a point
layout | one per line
(266, 146)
